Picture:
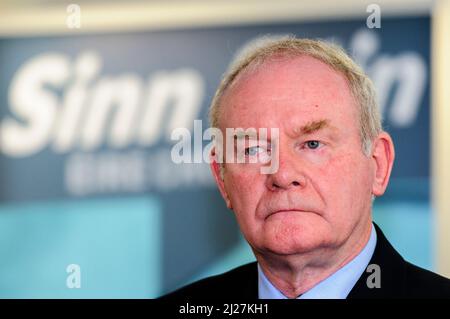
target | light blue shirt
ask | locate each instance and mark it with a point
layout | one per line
(336, 286)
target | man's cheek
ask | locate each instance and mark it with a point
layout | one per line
(240, 186)
(243, 174)
(321, 158)
(343, 165)
(335, 181)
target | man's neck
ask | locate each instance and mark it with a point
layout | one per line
(293, 275)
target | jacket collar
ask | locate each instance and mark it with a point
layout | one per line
(391, 270)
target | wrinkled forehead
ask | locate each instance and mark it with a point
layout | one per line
(286, 87)
(281, 63)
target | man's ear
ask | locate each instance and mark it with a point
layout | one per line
(216, 171)
(383, 156)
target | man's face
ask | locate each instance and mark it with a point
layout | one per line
(323, 187)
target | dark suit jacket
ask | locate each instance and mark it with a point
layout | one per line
(399, 279)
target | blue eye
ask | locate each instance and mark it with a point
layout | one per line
(252, 151)
(313, 144)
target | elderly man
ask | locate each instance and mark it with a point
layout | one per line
(309, 221)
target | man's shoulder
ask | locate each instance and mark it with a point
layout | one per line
(240, 282)
(423, 283)
(398, 278)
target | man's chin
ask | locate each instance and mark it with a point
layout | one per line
(295, 238)
(287, 251)
(283, 245)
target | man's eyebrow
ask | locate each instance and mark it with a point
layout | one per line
(312, 127)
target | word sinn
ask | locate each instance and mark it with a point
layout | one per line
(227, 309)
(64, 104)
(241, 146)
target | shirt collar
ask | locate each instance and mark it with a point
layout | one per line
(336, 286)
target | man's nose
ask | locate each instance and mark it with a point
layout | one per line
(290, 173)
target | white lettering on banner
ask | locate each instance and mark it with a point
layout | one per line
(130, 172)
(35, 106)
(81, 117)
(403, 75)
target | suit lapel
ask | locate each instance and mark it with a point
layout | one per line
(392, 272)
(248, 287)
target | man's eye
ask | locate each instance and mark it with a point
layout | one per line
(313, 144)
(252, 151)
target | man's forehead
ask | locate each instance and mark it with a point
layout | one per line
(303, 77)
(301, 116)
(280, 93)
(280, 64)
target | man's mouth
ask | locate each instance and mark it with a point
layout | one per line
(286, 211)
